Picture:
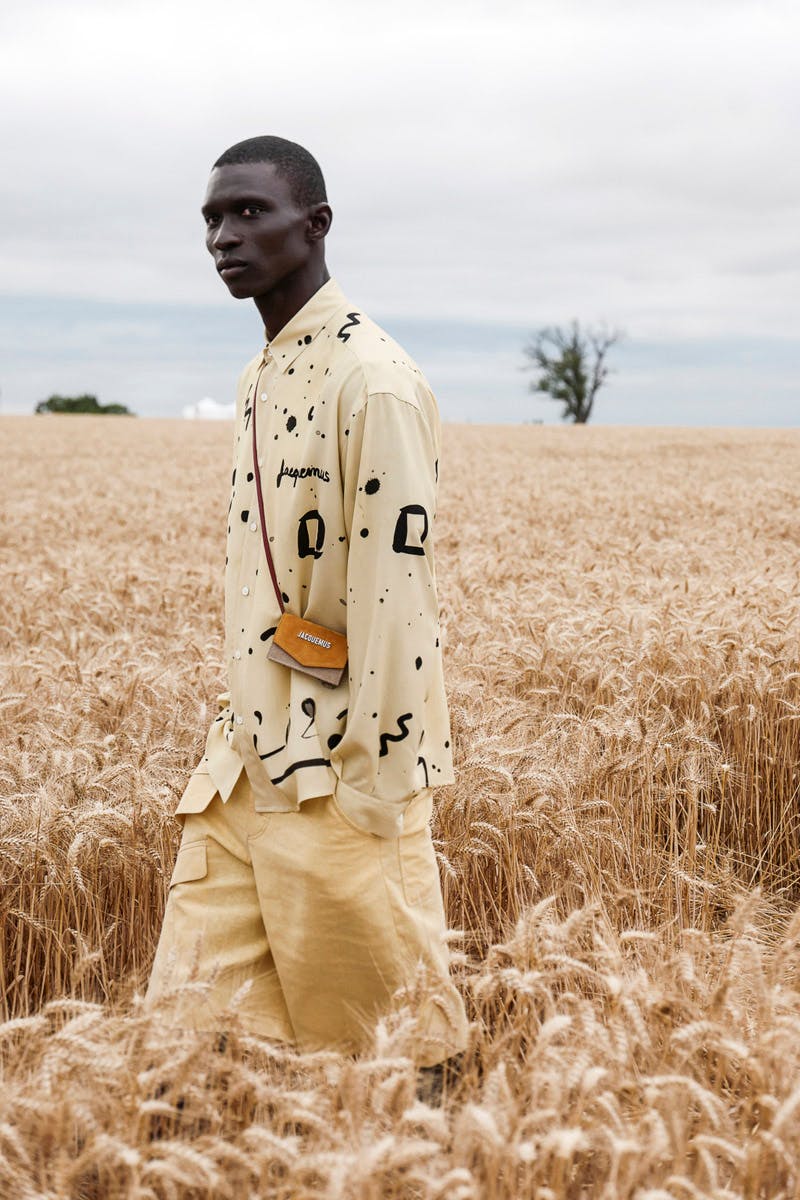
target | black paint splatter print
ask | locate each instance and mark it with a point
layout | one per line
(349, 440)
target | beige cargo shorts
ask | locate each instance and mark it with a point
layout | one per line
(322, 921)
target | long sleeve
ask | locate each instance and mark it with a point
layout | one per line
(220, 760)
(397, 737)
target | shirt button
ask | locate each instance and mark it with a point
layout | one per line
(237, 654)
(245, 590)
(263, 395)
(239, 720)
(253, 526)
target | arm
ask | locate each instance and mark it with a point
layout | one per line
(220, 760)
(394, 659)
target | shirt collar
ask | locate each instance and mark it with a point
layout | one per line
(298, 333)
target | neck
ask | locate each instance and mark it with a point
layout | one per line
(278, 306)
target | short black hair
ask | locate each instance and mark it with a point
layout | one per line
(293, 161)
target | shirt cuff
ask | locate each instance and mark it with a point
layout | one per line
(220, 759)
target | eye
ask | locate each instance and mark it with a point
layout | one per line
(252, 210)
(211, 220)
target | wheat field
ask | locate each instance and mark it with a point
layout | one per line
(620, 854)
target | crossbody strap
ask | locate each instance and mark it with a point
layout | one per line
(262, 518)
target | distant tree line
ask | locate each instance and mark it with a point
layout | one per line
(79, 404)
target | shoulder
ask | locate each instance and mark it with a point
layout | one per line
(372, 364)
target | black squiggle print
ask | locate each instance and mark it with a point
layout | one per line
(352, 321)
(305, 762)
(309, 708)
(335, 738)
(385, 738)
(269, 752)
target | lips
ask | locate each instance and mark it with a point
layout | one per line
(229, 268)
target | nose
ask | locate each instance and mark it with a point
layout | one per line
(224, 236)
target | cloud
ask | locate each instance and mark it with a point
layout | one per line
(208, 410)
(522, 161)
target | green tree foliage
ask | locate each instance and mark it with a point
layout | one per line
(79, 404)
(570, 366)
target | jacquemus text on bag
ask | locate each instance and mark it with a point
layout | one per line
(308, 647)
(298, 643)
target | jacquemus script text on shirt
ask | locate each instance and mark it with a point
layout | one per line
(348, 447)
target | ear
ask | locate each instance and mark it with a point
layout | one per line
(320, 217)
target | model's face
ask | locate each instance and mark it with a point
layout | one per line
(255, 231)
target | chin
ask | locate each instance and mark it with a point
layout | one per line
(240, 291)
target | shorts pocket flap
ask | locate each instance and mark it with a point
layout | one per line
(191, 863)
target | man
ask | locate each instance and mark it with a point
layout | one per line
(306, 885)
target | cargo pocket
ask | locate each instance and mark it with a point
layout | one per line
(343, 817)
(419, 869)
(191, 863)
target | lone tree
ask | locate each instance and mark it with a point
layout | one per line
(79, 404)
(571, 366)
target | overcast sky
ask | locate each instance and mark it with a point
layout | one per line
(503, 165)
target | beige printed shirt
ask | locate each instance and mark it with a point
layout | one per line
(348, 446)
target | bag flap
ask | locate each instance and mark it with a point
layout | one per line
(310, 644)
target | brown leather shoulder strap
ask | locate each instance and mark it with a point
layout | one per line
(262, 518)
